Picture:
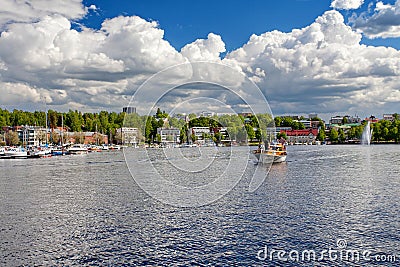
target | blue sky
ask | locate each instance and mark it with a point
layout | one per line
(329, 57)
(185, 21)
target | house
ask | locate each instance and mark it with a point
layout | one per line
(301, 136)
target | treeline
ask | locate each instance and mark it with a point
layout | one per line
(386, 131)
(382, 131)
(76, 121)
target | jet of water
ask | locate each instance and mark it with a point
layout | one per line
(367, 134)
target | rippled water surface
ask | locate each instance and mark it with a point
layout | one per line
(89, 211)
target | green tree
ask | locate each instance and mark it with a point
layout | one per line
(183, 134)
(250, 132)
(341, 136)
(258, 135)
(281, 135)
(52, 117)
(333, 135)
(321, 136)
(56, 138)
(79, 138)
(12, 138)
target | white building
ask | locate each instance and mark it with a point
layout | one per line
(31, 135)
(306, 123)
(388, 117)
(129, 136)
(169, 135)
(199, 132)
(206, 114)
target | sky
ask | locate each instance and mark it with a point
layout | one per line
(306, 56)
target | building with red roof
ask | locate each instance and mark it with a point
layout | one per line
(301, 136)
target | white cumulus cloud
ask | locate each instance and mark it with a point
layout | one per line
(322, 67)
(204, 49)
(347, 4)
(384, 22)
(31, 10)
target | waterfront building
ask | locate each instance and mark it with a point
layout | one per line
(199, 132)
(29, 135)
(275, 130)
(306, 136)
(169, 135)
(224, 134)
(388, 117)
(206, 114)
(128, 135)
(336, 120)
(87, 138)
(339, 120)
(306, 123)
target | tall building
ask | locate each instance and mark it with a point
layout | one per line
(129, 110)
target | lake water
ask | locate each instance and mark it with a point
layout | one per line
(89, 211)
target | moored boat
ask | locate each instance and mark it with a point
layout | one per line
(15, 152)
(58, 151)
(77, 149)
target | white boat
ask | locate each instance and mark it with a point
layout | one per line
(77, 149)
(105, 147)
(15, 152)
(114, 147)
(275, 153)
(2, 150)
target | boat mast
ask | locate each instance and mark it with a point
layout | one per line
(45, 112)
(62, 130)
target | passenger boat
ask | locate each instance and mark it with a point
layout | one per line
(77, 149)
(275, 153)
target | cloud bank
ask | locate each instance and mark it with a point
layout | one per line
(384, 22)
(320, 68)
